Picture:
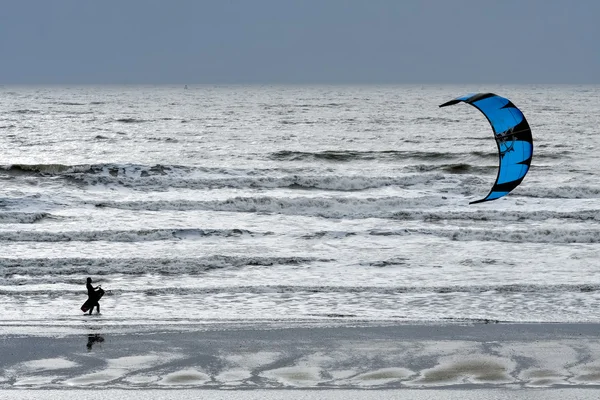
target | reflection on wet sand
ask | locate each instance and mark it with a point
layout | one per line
(93, 338)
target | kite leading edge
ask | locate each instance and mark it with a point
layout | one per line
(513, 137)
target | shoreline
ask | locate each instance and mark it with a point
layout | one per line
(254, 357)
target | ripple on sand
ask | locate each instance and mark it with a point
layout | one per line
(186, 377)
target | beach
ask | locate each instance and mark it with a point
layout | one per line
(397, 357)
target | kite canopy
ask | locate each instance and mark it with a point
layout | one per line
(513, 137)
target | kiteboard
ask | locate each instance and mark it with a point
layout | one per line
(89, 303)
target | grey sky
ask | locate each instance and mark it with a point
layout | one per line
(299, 41)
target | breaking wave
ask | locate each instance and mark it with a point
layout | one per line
(539, 235)
(498, 215)
(561, 192)
(341, 207)
(163, 177)
(388, 155)
(137, 266)
(22, 217)
(349, 155)
(130, 120)
(144, 235)
(399, 208)
(514, 235)
(35, 169)
(333, 182)
(316, 290)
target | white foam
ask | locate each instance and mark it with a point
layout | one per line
(236, 179)
(35, 380)
(49, 364)
(327, 207)
(118, 368)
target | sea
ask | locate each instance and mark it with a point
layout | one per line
(292, 206)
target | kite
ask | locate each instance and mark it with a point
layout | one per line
(513, 137)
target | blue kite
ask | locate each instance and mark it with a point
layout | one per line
(513, 137)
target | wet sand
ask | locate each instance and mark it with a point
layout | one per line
(276, 394)
(490, 357)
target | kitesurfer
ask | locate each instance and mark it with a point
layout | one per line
(94, 294)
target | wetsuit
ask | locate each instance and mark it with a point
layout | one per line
(93, 296)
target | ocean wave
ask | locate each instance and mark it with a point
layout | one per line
(81, 172)
(308, 182)
(287, 106)
(22, 217)
(137, 266)
(163, 139)
(142, 235)
(555, 234)
(399, 208)
(457, 168)
(498, 215)
(26, 111)
(353, 155)
(435, 119)
(561, 192)
(339, 207)
(161, 177)
(35, 169)
(328, 235)
(391, 155)
(510, 289)
(530, 235)
(69, 103)
(110, 169)
(130, 120)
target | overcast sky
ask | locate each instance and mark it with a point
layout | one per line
(299, 41)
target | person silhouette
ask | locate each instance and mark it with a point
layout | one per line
(94, 295)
